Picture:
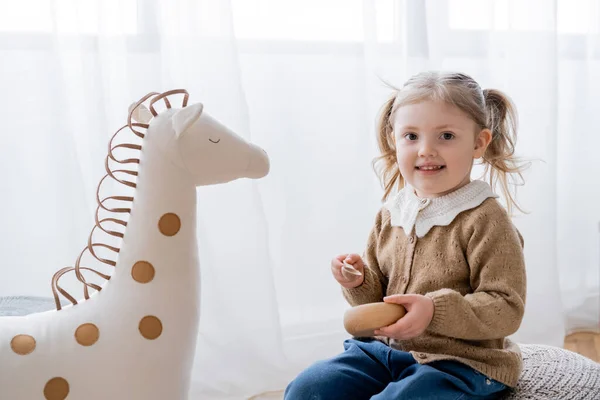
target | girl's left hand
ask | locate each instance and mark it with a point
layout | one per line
(419, 312)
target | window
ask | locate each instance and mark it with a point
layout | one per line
(569, 17)
(314, 25)
(312, 20)
(69, 16)
(308, 20)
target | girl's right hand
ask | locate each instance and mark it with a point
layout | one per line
(347, 277)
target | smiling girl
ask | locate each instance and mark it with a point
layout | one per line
(443, 247)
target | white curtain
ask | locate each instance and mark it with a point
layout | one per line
(304, 79)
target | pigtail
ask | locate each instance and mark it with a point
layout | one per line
(501, 163)
(386, 166)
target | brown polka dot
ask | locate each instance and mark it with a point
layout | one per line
(23, 344)
(87, 334)
(150, 327)
(142, 272)
(169, 224)
(56, 389)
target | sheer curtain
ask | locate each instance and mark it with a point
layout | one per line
(303, 79)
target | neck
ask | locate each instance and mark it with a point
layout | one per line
(162, 188)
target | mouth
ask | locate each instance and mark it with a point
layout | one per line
(430, 168)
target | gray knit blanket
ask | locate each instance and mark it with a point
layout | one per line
(556, 374)
(22, 305)
(549, 373)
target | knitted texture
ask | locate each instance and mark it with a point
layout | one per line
(555, 373)
(11, 306)
(472, 268)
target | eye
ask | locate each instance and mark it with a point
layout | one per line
(447, 136)
(410, 136)
(213, 141)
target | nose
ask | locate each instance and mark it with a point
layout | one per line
(427, 149)
(259, 163)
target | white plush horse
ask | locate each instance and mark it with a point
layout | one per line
(134, 339)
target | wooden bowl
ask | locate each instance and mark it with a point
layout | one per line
(361, 321)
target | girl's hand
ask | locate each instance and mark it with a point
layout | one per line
(419, 312)
(350, 275)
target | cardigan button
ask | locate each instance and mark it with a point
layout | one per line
(422, 355)
(411, 239)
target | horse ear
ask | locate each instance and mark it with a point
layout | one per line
(140, 114)
(185, 117)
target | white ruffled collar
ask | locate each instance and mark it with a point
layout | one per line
(407, 210)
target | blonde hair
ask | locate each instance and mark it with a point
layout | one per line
(488, 108)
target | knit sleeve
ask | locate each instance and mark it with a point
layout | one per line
(372, 289)
(496, 305)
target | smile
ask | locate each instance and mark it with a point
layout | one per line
(431, 167)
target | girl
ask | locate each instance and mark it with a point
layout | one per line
(443, 247)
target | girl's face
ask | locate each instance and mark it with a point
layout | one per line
(436, 144)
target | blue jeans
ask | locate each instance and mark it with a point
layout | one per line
(368, 369)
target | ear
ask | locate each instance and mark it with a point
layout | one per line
(185, 117)
(140, 113)
(482, 141)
